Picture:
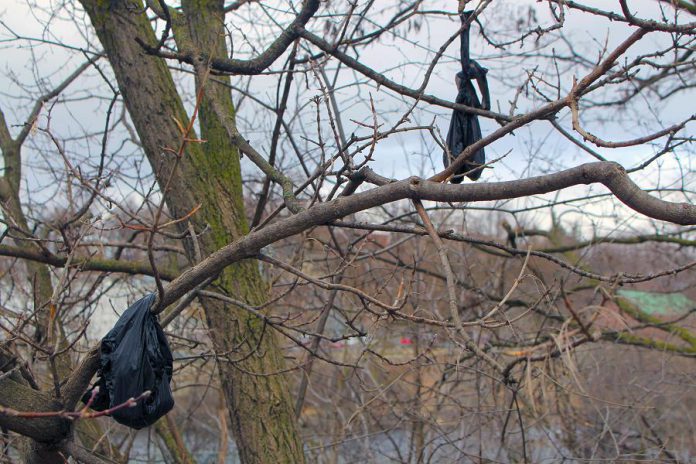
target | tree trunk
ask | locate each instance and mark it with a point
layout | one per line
(259, 404)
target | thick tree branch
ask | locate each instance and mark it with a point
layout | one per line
(246, 67)
(609, 174)
(86, 264)
(20, 397)
(612, 175)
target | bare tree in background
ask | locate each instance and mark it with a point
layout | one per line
(269, 170)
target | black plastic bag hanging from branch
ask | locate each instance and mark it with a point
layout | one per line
(464, 128)
(135, 358)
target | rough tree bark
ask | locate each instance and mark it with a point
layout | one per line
(259, 404)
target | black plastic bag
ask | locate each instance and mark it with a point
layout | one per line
(135, 357)
(464, 127)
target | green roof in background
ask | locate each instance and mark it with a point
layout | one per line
(657, 304)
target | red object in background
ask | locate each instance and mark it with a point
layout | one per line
(406, 341)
